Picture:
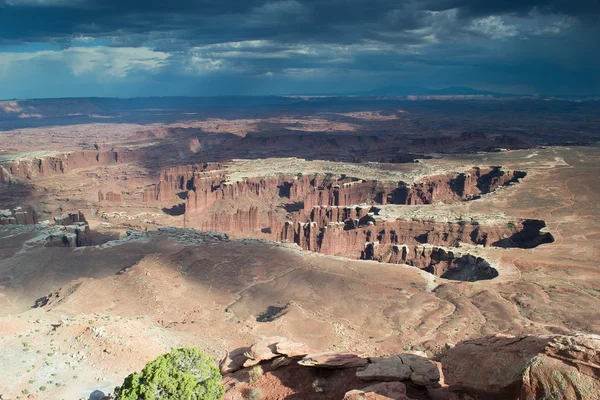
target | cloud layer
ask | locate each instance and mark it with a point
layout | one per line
(195, 47)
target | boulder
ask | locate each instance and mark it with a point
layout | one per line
(385, 369)
(262, 350)
(424, 371)
(525, 367)
(292, 349)
(380, 391)
(233, 361)
(333, 360)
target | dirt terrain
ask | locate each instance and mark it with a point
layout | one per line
(331, 233)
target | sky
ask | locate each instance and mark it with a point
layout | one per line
(130, 48)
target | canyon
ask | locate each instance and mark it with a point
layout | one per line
(369, 228)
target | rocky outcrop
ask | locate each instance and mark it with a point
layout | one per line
(181, 177)
(72, 230)
(18, 216)
(32, 168)
(70, 218)
(525, 367)
(497, 367)
(160, 193)
(264, 350)
(74, 235)
(110, 196)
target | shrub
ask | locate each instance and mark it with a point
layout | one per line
(186, 374)
(255, 394)
(319, 385)
(255, 373)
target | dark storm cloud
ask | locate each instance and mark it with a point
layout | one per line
(578, 8)
(431, 42)
(338, 21)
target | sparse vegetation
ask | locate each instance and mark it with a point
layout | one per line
(184, 373)
(255, 373)
(255, 394)
(319, 385)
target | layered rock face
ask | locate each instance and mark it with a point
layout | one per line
(180, 177)
(213, 190)
(18, 216)
(160, 192)
(241, 221)
(110, 196)
(350, 236)
(443, 263)
(357, 232)
(62, 163)
(444, 188)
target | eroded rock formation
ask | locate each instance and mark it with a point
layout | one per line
(18, 216)
(160, 192)
(306, 193)
(350, 235)
(110, 196)
(443, 188)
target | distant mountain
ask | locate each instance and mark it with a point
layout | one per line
(419, 91)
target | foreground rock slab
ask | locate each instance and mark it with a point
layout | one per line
(262, 350)
(275, 347)
(333, 360)
(380, 391)
(419, 370)
(385, 369)
(526, 367)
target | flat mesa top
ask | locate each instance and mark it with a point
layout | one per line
(238, 169)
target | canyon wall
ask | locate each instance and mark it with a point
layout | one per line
(443, 263)
(356, 233)
(349, 238)
(442, 188)
(241, 221)
(62, 163)
(322, 214)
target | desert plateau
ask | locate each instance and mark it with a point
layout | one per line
(186, 234)
(299, 200)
